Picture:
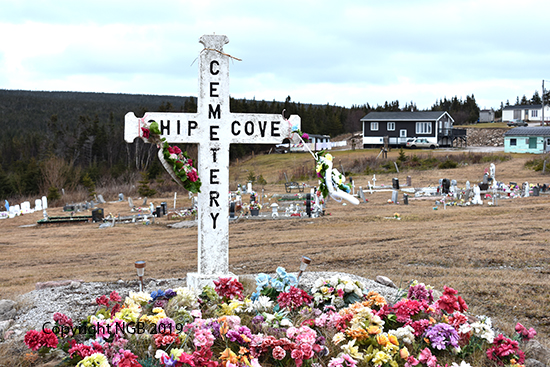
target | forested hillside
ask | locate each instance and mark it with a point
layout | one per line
(54, 140)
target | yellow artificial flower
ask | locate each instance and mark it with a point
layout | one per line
(352, 350)
(404, 353)
(393, 339)
(373, 330)
(156, 318)
(127, 315)
(382, 340)
(380, 358)
(94, 360)
(338, 338)
(328, 157)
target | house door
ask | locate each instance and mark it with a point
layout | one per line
(402, 136)
(547, 145)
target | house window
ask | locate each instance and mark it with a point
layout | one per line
(423, 127)
(532, 143)
(513, 142)
(391, 126)
(534, 113)
(374, 126)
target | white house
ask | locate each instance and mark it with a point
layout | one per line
(531, 112)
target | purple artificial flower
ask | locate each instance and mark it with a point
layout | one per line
(237, 335)
(169, 293)
(166, 325)
(419, 292)
(442, 335)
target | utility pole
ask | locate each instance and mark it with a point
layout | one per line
(543, 123)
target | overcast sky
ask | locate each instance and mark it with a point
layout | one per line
(338, 52)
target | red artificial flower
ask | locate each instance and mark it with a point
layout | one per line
(114, 297)
(294, 298)
(166, 339)
(176, 149)
(32, 339)
(128, 359)
(192, 175)
(37, 339)
(449, 303)
(146, 132)
(102, 301)
(48, 339)
(229, 288)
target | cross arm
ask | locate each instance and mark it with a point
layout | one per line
(262, 128)
(176, 127)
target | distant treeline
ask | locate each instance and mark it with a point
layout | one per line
(55, 140)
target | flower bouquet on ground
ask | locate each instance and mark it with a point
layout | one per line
(221, 327)
(272, 286)
(176, 162)
(337, 291)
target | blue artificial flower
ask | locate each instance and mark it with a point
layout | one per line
(157, 294)
(278, 285)
(281, 272)
(292, 280)
(255, 296)
(262, 280)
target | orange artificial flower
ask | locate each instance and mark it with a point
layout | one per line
(373, 330)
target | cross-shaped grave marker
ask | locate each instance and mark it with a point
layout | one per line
(213, 128)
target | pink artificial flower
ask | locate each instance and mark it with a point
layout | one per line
(192, 175)
(305, 136)
(102, 301)
(427, 358)
(279, 353)
(177, 150)
(524, 333)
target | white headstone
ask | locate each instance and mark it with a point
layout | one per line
(213, 128)
(526, 189)
(249, 187)
(38, 204)
(26, 207)
(44, 203)
(477, 196)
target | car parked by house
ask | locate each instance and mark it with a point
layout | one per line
(516, 122)
(420, 143)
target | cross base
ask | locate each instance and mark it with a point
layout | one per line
(199, 281)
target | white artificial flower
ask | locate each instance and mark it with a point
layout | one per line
(263, 303)
(462, 364)
(286, 322)
(318, 283)
(350, 287)
(140, 297)
(405, 333)
(333, 280)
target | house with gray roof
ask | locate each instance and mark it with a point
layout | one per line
(398, 127)
(527, 140)
(531, 112)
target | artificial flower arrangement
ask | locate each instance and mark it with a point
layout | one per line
(178, 163)
(323, 163)
(280, 325)
(337, 291)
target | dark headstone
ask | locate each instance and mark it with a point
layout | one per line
(97, 215)
(158, 211)
(445, 185)
(164, 206)
(308, 205)
(406, 199)
(232, 210)
(395, 183)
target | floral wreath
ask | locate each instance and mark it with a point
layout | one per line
(331, 181)
(183, 168)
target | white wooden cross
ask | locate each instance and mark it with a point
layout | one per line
(213, 128)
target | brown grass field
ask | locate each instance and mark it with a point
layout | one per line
(497, 257)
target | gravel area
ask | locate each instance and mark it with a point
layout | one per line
(77, 299)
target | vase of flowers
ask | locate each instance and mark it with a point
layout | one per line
(255, 208)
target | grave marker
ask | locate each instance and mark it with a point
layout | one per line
(213, 128)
